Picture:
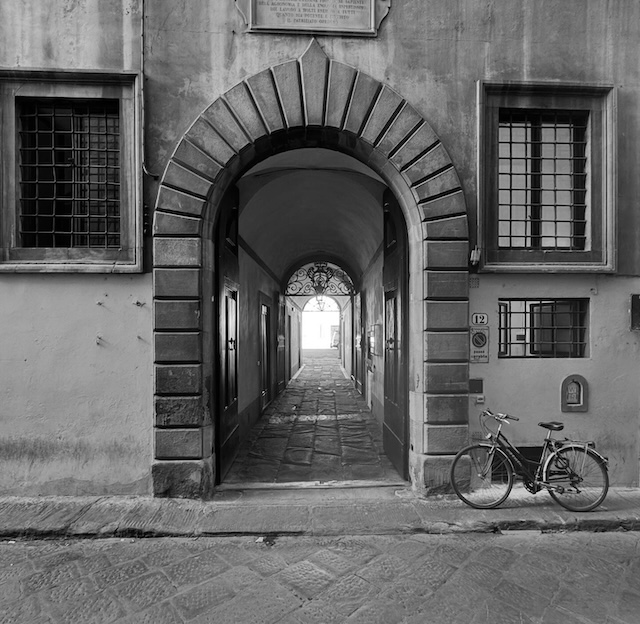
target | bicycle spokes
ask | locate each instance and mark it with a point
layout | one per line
(577, 478)
(481, 476)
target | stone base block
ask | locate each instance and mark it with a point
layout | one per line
(446, 409)
(184, 479)
(445, 439)
(430, 474)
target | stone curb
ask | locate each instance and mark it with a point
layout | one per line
(331, 513)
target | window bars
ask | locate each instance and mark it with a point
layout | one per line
(542, 180)
(543, 328)
(69, 173)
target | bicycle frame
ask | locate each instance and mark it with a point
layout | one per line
(522, 466)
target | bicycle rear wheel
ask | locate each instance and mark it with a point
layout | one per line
(482, 476)
(581, 476)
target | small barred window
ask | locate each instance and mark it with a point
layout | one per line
(543, 328)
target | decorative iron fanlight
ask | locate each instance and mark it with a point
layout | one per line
(319, 279)
(320, 274)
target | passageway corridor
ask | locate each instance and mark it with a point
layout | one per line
(318, 430)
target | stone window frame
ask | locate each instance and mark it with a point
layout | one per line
(600, 102)
(70, 86)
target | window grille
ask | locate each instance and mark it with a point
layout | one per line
(69, 173)
(542, 180)
(543, 328)
(546, 177)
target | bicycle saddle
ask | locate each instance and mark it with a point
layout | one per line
(553, 425)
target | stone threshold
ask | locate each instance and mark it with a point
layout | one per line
(302, 485)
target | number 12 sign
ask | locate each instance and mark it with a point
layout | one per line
(479, 319)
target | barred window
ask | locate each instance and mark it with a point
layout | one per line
(547, 192)
(69, 173)
(542, 180)
(543, 328)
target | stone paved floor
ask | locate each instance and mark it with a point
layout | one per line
(319, 429)
(522, 578)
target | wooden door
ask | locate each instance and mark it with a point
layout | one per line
(395, 272)
(358, 341)
(227, 421)
(265, 370)
(281, 346)
(287, 354)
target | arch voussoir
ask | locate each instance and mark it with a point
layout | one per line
(442, 183)
(443, 206)
(432, 160)
(415, 146)
(265, 96)
(287, 82)
(387, 105)
(341, 79)
(205, 137)
(241, 103)
(180, 177)
(220, 117)
(365, 92)
(448, 228)
(191, 156)
(174, 200)
(403, 125)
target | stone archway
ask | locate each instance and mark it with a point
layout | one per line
(311, 101)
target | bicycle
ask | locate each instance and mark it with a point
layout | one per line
(573, 472)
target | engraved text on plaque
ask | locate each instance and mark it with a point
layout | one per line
(360, 17)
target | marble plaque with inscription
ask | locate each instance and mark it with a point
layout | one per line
(356, 17)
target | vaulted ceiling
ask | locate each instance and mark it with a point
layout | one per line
(311, 203)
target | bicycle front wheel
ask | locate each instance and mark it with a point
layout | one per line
(579, 478)
(482, 476)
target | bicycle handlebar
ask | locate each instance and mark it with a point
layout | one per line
(500, 417)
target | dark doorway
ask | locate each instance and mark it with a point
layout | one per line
(227, 423)
(317, 233)
(265, 356)
(395, 282)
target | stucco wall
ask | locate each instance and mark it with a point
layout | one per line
(76, 391)
(75, 34)
(76, 350)
(530, 388)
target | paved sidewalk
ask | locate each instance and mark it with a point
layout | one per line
(309, 511)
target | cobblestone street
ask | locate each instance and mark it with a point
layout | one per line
(521, 577)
